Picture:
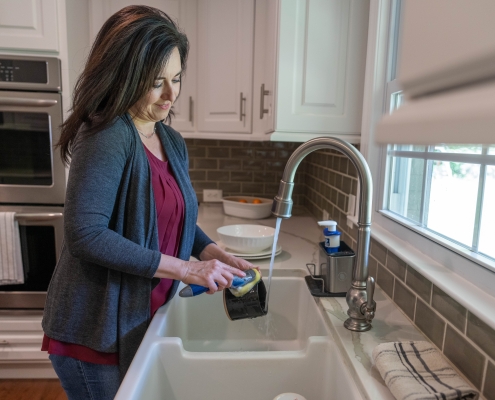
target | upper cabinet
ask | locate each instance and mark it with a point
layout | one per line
(257, 69)
(29, 25)
(185, 111)
(321, 65)
(216, 94)
(225, 65)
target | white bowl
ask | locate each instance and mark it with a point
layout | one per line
(246, 238)
(232, 206)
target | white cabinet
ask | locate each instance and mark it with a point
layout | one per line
(291, 69)
(185, 107)
(185, 13)
(216, 94)
(21, 337)
(265, 66)
(320, 73)
(225, 65)
(29, 25)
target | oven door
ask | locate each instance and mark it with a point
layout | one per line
(30, 171)
(41, 234)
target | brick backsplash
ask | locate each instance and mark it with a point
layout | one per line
(462, 337)
(242, 167)
(324, 181)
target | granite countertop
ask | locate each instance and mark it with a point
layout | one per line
(299, 237)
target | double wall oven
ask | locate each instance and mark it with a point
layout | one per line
(32, 175)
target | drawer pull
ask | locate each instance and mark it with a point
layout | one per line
(264, 93)
(243, 112)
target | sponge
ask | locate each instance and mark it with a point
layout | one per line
(241, 286)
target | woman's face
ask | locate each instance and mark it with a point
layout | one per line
(156, 105)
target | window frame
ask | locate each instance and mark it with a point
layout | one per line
(483, 160)
(447, 266)
(392, 86)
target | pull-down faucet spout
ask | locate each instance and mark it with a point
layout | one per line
(360, 295)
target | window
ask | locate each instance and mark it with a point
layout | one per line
(445, 190)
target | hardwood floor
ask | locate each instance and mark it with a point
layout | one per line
(31, 389)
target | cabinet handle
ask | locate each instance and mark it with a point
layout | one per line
(264, 92)
(191, 108)
(242, 114)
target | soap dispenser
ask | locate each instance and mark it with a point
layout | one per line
(332, 236)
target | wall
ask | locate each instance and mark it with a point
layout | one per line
(462, 337)
(324, 181)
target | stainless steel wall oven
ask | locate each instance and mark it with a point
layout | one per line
(30, 116)
(32, 174)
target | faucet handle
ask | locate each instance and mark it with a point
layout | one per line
(368, 308)
(370, 291)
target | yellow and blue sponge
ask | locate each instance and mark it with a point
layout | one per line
(241, 286)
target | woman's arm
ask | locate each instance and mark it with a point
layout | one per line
(93, 193)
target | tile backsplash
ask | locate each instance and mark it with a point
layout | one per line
(462, 337)
(241, 167)
(324, 181)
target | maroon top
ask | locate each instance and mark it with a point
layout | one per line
(170, 217)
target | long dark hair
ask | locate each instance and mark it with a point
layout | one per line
(128, 54)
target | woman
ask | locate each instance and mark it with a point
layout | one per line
(130, 211)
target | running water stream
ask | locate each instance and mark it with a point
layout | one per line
(274, 250)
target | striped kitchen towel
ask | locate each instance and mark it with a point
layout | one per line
(417, 371)
(11, 269)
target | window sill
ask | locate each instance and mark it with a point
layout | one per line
(483, 261)
(466, 282)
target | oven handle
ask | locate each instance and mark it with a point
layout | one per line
(7, 101)
(38, 216)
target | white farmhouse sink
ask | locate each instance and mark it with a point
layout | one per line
(193, 351)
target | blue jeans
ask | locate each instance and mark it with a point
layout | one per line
(86, 381)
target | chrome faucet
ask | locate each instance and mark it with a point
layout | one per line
(360, 295)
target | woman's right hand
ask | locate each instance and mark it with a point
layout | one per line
(203, 273)
(206, 273)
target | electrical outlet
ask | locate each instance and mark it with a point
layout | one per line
(325, 216)
(212, 195)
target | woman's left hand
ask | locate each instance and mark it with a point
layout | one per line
(212, 251)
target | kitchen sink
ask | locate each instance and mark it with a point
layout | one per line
(192, 350)
(202, 324)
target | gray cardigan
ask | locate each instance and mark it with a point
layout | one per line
(99, 295)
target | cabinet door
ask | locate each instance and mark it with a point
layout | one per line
(225, 65)
(185, 13)
(265, 63)
(322, 56)
(20, 338)
(29, 25)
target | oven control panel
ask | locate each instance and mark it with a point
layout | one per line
(23, 71)
(28, 73)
